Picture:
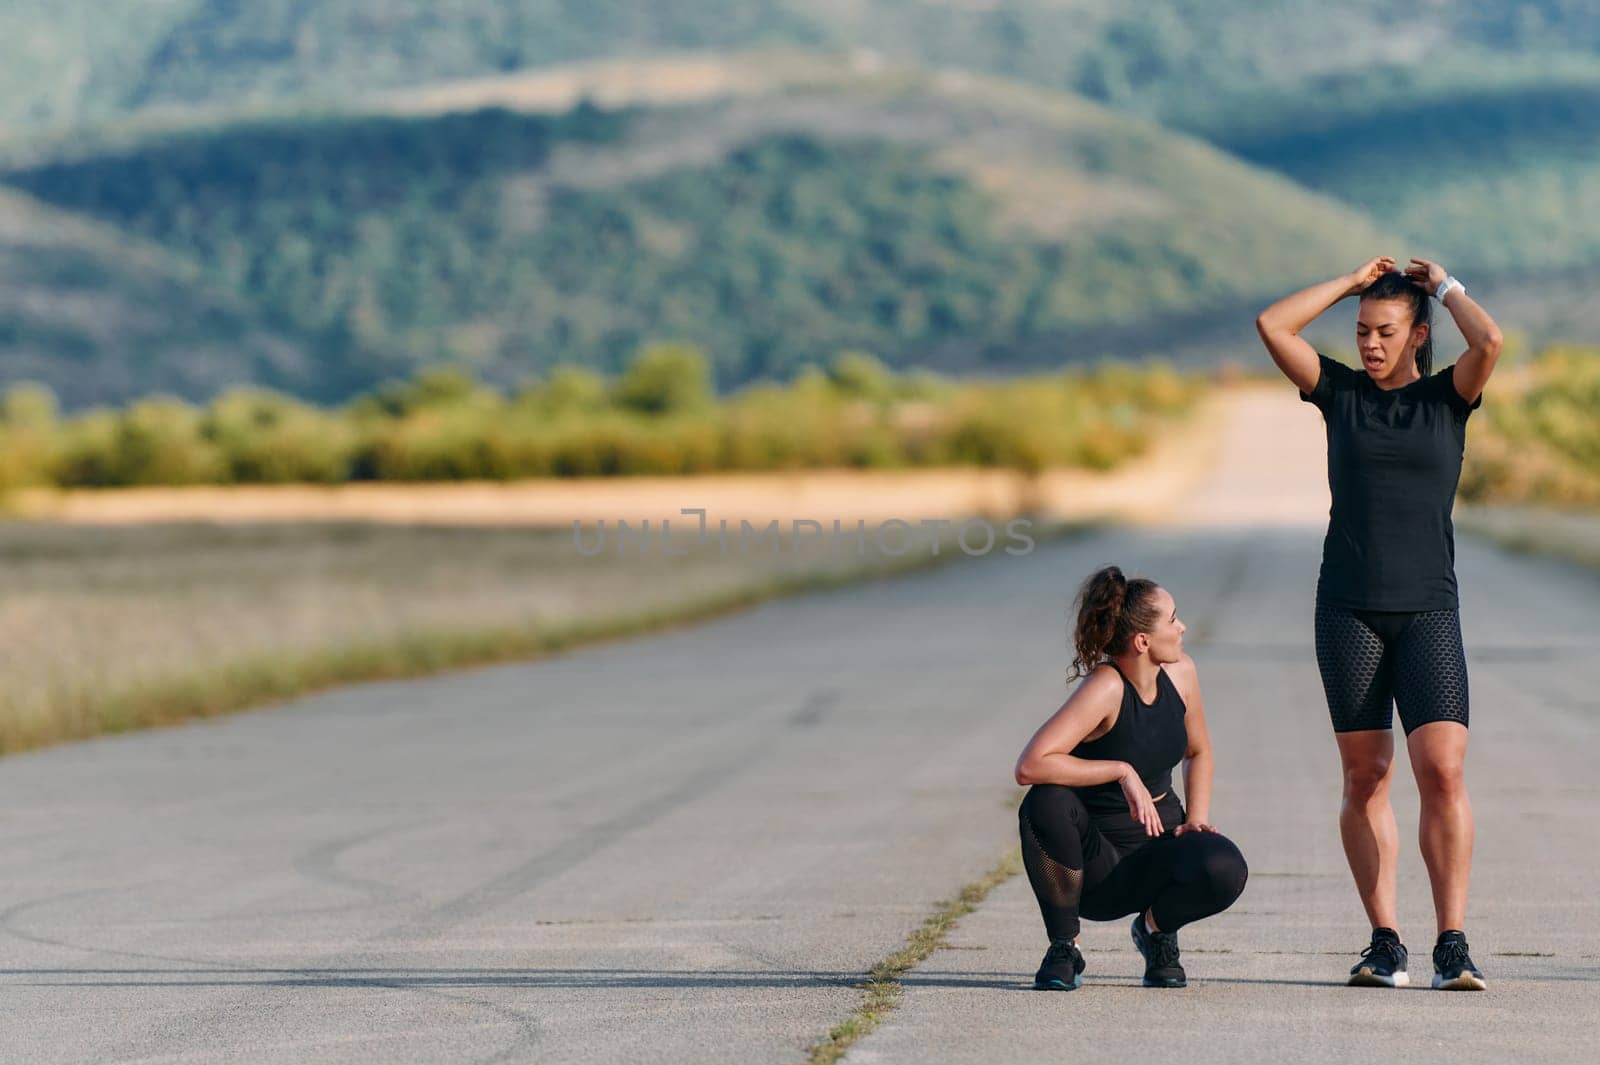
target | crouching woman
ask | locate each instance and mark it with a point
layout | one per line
(1103, 834)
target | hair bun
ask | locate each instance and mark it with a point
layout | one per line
(1119, 580)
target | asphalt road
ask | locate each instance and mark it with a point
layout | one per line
(1265, 977)
(689, 847)
(682, 848)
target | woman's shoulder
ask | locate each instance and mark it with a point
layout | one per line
(1184, 675)
(1334, 378)
(1338, 372)
(1442, 388)
(1105, 683)
(1102, 689)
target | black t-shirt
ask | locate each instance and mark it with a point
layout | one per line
(1394, 459)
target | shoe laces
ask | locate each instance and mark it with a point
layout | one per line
(1452, 954)
(1382, 949)
(1061, 952)
(1163, 948)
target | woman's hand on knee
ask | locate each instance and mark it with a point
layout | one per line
(1192, 826)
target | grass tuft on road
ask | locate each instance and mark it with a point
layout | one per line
(881, 992)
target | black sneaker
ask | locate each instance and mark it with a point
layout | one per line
(1160, 950)
(1383, 963)
(1452, 966)
(1062, 968)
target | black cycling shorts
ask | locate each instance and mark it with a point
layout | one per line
(1373, 661)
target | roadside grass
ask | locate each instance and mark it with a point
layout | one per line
(1570, 535)
(881, 991)
(113, 627)
(106, 630)
(1531, 479)
(1537, 442)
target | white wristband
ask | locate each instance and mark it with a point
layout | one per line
(1447, 286)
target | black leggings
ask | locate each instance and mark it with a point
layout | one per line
(1077, 871)
(1372, 662)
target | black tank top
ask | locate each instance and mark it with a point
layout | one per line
(1151, 738)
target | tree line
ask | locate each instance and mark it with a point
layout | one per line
(661, 415)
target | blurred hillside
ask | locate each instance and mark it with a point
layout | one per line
(963, 225)
(312, 196)
(1208, 66)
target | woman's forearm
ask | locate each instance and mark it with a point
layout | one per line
(1477, 328)
(1298, 310)
(1197, 771)
(1069, 770)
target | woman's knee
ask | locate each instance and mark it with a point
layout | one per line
(1223, 869)
(1442, 778)
(1052, 804)
(1055, 817)
(1367, 761)
(1366, 780)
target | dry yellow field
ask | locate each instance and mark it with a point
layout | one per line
(126, 608)
(111, 627)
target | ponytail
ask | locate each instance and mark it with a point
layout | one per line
(1111, 610)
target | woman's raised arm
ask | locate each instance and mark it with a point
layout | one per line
(1281, 323)
(1483, 338)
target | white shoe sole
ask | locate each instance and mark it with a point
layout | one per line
(1364, 977)
(1464, 982)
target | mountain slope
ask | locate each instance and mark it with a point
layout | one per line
(1502, 182)
(929, 218)
(1341, 97)
(101, 319)
(1197, 63)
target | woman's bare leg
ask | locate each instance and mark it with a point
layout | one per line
(1438, 751)
(1366, 821)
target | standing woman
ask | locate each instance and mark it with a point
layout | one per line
(1387, 630)
(1103, 835)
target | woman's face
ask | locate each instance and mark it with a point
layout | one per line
(1165, 639)
(1385, 338)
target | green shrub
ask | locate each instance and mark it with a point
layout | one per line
(161, 441)
(430, 445)
(567, 391)
(87, 453)
(443, 425)
(268, 438)
(1539, 441)
(30, 437)
(857, 374)
(666, 379)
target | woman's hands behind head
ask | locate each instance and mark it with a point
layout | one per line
(1430, 275)
(1365, 274)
